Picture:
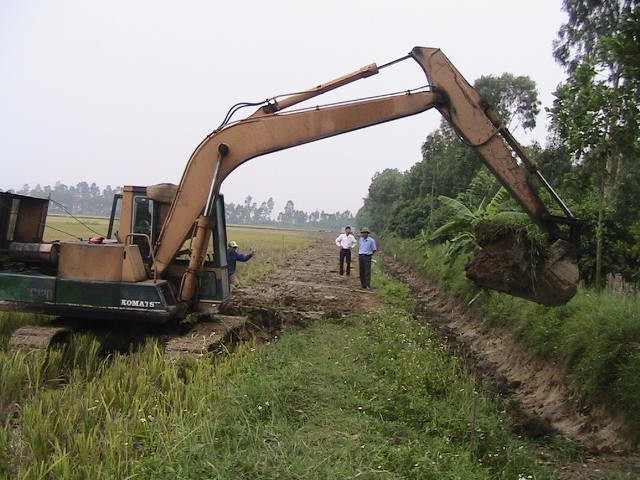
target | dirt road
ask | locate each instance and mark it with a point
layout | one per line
(306, 287)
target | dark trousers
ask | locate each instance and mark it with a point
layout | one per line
(365, 270)
(345, 255)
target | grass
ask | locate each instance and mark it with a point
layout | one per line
(65, 228)
(366, 397)
(271, 247)
(373, 396)
(595, 336)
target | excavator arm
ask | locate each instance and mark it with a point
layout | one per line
(271, 129)
(224, 151)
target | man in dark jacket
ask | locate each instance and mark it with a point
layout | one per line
(233, 256)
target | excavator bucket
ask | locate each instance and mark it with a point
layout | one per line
(506, 262)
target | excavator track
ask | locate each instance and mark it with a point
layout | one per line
(39, 337)
(206, 336)
(211, 334)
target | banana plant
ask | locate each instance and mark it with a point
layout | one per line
(459, 231)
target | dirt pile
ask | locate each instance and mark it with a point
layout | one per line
(507, 262)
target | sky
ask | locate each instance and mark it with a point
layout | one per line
(121, 92)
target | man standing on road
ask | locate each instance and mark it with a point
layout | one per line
(366, 251)
(233, 256)
(346, 241)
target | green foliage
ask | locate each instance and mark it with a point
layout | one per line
(384, 193)
(410, 217)
(597, 120)
(513, 98)
(595, 336)
(394, 293)
(460, 231)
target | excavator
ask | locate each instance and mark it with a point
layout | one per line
(164, 255)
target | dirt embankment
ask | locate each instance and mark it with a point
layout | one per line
(540, 400)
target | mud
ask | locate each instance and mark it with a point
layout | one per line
(307, 287)
(504, 263)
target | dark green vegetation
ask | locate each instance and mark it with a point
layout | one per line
(595, 336)
(591, 157)
(374, 396)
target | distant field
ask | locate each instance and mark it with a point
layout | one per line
(271, 245)
(67, 228)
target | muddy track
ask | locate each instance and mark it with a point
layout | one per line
(306, 287)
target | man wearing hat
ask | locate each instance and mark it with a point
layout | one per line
(233, 256)
(366, 251)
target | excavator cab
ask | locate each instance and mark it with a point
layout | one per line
(139, 213)
(133, 214)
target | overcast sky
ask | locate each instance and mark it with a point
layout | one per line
(121, 92)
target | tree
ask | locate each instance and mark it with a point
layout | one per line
(384, 192)
(596, 113)
(287, 216)
(513, 98)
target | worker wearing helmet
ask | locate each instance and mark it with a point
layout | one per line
(233, 256)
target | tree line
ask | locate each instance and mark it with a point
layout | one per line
(89, 199)
(254, 213)
(591, 157)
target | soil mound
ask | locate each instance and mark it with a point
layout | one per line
(510, 263)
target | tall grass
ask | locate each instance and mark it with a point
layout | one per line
(109, 412)
(370, 397)
(595, 336)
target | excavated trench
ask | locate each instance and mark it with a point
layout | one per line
(535, 389)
